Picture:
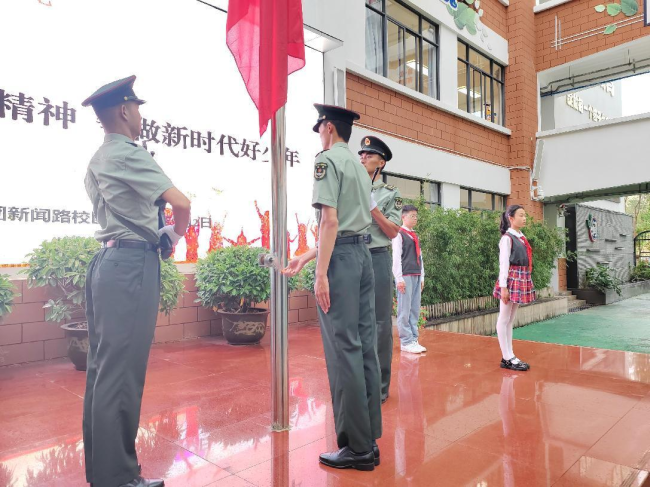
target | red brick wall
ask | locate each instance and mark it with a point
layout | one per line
(495, 16)
(385, 109)
(579, 16)
(521, 101)
(561, 271)
(25, 336)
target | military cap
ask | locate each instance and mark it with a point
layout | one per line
(113, 94)
(332, 113)
(377, 146)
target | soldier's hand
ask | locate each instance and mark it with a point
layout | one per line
(294, 267)
(401, 287)
(322, 292)
(169, 231)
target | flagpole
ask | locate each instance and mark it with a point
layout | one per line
(279, 291)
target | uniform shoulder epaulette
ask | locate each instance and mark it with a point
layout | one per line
(391, 187)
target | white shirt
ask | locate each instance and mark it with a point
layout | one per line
(505, 247)
(397, 258)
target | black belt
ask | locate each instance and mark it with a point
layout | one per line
(130, 244)
(354, 239)
(379, 250)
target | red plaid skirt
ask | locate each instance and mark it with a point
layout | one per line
(520, 286)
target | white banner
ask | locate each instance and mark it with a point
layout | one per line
(199, 119)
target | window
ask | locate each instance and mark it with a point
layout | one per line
(414, 189)
(401, 45)
(479, 200)
(480, 85)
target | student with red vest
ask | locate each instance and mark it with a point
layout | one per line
(408, 270)
(514, 286)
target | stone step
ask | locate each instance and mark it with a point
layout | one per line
(565, 293)
(571, 297)
(577, 303)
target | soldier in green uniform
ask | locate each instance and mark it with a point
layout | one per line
(344, 289)
(387, 219)
(125, 185)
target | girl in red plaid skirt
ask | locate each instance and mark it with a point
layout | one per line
(514, 286)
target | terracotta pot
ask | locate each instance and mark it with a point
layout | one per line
(244, 328)
(77, 343)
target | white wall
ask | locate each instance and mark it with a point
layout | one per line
(618, 205)
(610, 154)
(416, 160)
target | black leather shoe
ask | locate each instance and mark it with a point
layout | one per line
(346, 458)
(375, 451)
(140, 482)
(507, 364)
(525, 363)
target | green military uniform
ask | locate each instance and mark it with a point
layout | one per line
(123, 183)
(389, 203)
(348, 328)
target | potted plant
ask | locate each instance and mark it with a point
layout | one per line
(62, 263)
(7, 295)
(231, 282)
(602, 279)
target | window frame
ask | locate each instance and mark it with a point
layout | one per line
(423, 182)
(493, 196)
(494, 81)
(385, 18)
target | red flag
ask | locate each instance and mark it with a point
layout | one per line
(267, 41)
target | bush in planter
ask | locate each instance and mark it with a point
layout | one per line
(304, 280)
(231, 281)
(7, 295)
(640, 273)
(172, 286)
(461, 252)
(62, 263)
(601, 278)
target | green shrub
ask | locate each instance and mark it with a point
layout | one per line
(304, 280)
(641, 272)
(231, 279)
(62, 263)
(461, 252)
(7, 295)
(601, 278)
(172, 286)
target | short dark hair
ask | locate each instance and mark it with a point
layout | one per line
(409, 208)
(343, 129)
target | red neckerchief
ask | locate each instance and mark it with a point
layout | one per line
(417, 243)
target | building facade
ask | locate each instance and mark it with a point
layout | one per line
(493, 102)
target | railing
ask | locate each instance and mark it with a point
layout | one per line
(453, 308)
(462, 306)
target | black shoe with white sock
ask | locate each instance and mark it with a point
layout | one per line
(514, 364)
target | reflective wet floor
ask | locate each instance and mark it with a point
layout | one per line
(579, 417)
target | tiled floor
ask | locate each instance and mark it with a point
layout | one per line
(579, 417)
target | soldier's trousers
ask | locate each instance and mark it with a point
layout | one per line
(349, 340)
(382, 266)
(122, 297)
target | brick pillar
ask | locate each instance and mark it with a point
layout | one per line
(521, 102)
(561, 271)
